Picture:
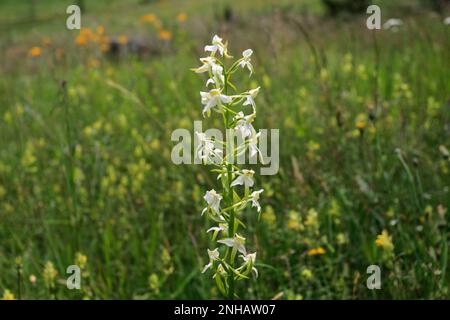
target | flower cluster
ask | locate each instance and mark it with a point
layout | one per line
(224, 207)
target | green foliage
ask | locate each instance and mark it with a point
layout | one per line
(335, 7)
(86, 175)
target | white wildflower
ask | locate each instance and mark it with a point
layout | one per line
(207, 65)
(213, 199)
(253, 145)
(213, 98)
(222, 227)
(244, 124)
(250, 97)
(254, 197)
(217, 45)
(249, 263)
(206, 150)
(227, 218)
(217, 75)
(213, 256)
(245, 62)
(244, 178)
(237, 243)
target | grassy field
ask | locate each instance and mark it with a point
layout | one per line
(86, 175)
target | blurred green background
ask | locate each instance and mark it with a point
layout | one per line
(85, 170)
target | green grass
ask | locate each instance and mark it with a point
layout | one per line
(85, 166)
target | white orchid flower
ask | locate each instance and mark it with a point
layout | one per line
(237, 243)
(245, 62)
(216, 98)
(206, 150)
(250, 97)
(205, 146)
(213, 98)
(249, 262)
(213, 256)
(222, 227)
(253, 145)
(213, 199)
(245, 178)
(210, 65)
(217, 45)
(243, 124)
(254, 197)
(250, 257)
(217, 75)
(392, 24)
(208, 62)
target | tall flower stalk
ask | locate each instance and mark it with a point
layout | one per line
(229, 261)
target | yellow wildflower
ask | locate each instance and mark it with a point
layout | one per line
(78, 175)
(181, 17)
(269, 216)
(347, 65)
(294, 221)
(361, 121)
(19, 110)
(104, 44)
(49, 273)
(80, 260)
(149, 18)
(88, 131)
(7, 117)
(93, 63)
(316, 251)
(311, 219)
(123, 40)
(157, 24)
(307, 274)
(122, 120)
(153, 283)
(341, 238)
(312, 146)
(100, 30)
(7, 295)
(165, 35)
(28, 157)
(87, 32)
(46, 41)
(361, 72)
(35, 52)
(323, 75)
(81, 40)
(384, 240)
(155, 144)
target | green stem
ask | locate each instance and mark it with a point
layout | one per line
(19, 282)
(230, 275)
(231, 227)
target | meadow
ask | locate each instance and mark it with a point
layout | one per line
(86, 175)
